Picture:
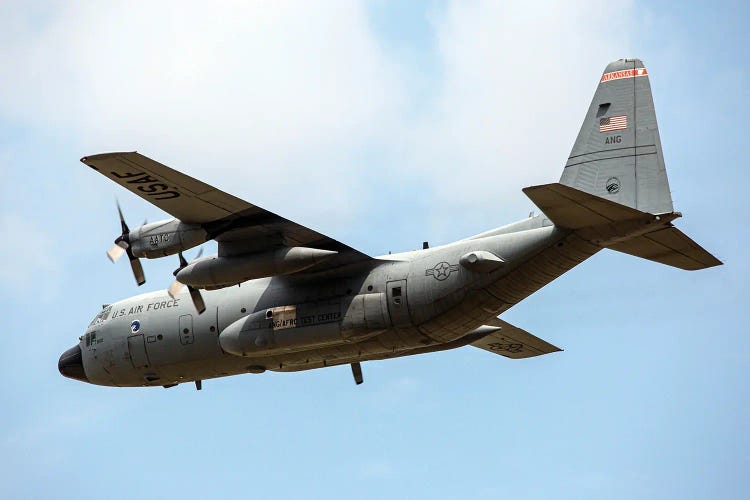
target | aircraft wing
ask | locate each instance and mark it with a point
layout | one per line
(238, 226)
(513, 342)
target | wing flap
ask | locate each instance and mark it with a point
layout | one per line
(513, 342)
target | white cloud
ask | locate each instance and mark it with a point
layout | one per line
(276, 94)
(517, 80)
(290, 96)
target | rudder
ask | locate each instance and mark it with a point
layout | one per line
(618, 154)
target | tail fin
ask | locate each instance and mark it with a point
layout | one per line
(618, 155)
(614, 190)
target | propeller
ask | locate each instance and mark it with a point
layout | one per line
(176, 286)
(122, 246)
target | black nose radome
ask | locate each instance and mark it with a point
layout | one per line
(71, 364)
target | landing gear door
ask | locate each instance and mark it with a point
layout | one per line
(398, 303)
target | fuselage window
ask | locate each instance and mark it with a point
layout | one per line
(396, 295)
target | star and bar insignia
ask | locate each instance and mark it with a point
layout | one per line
(441, 271)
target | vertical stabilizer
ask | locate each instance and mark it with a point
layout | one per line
(618, 155)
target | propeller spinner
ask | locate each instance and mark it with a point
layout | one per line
(122, 246)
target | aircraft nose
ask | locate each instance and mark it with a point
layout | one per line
(71, 364)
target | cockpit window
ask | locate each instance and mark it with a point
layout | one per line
(101, 317)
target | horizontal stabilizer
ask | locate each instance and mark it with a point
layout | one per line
(570, 208)
(620, 228)
(669, 246)
(513, 342)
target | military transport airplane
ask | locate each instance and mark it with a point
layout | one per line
(282, 297)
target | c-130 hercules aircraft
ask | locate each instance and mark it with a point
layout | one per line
(282, 297)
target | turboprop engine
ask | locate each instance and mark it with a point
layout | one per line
(167, 237)
(157, 239)
(217, 272)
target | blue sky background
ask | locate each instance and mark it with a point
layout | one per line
(382, 124)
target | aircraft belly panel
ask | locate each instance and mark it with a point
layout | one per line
(542, 269)
(387, 344)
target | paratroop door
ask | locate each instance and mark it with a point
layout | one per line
(137, 349)
(398, 304)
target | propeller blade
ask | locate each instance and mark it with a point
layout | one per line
(135, 264)
(195, 294)
(198, 255)
(183, 262)
(174, 288)
(123, 225)
(122, 245)
(115, 253)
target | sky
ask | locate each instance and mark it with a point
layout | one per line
(382, 124)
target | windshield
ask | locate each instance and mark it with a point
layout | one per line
(101, 317)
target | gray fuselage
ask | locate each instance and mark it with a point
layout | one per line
(403, 304)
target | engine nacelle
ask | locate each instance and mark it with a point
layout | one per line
(216, 272)
(167, 237)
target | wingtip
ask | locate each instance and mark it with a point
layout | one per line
(86, 160)
(714, 263)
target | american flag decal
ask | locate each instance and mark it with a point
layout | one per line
(613, 123)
